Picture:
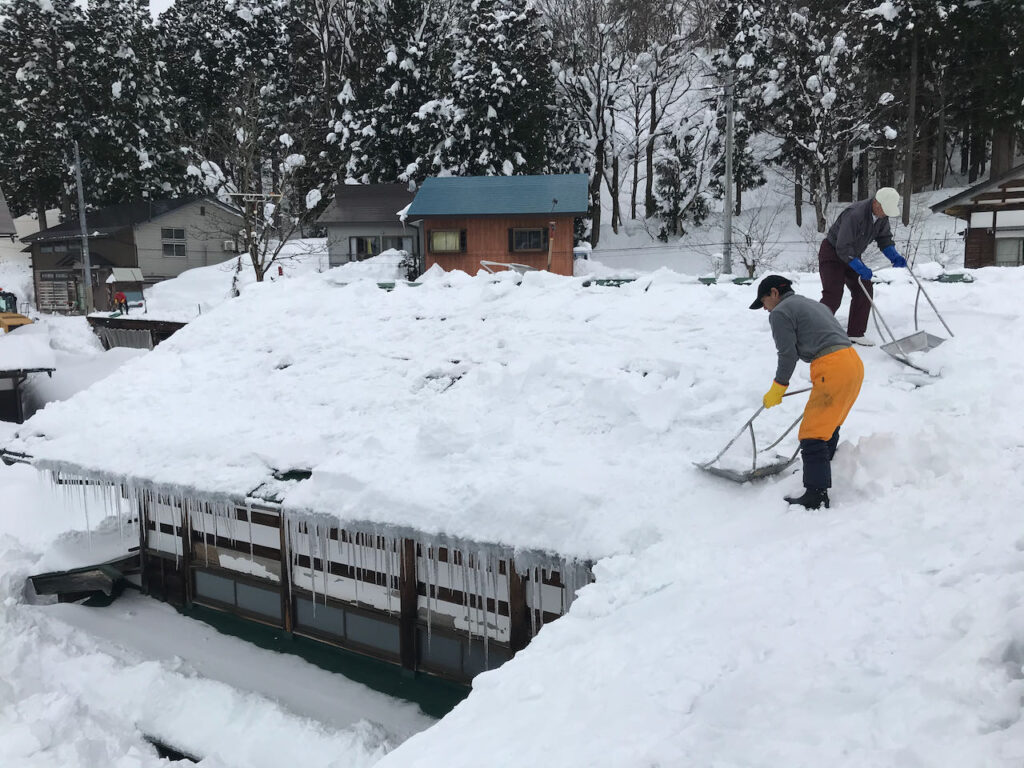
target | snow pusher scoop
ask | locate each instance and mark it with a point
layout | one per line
(777, 462)
(918, 341)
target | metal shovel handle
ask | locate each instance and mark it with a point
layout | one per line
(874, 307)
(749, 425)
(921, 291)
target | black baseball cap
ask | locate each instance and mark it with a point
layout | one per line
(765, 287)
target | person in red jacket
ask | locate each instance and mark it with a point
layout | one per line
(121, 302)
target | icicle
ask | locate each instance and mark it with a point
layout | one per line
(248, 515)
(431, 573)
(540, 598)
(483, 578)
(312, 564)
(465, 597)
(326, 559)
(388, 543)
(355, 563)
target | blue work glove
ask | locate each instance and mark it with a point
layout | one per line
(861, 269)
(894, 256)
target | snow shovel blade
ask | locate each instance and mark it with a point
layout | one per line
(922, 341)
(780, 464)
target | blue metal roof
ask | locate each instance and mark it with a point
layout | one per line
(483, 195)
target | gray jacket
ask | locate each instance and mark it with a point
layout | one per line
(855, 228)
(802, 328)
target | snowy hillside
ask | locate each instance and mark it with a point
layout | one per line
(723, 627)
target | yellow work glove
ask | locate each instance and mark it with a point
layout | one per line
(774, 395)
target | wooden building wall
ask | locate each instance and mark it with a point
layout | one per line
(447, 612)
(487, 239)
(979, 248)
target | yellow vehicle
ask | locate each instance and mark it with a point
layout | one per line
(11, 320)
(9, 317)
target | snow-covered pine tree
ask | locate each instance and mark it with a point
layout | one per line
(739, 48)
(810, 86)
(502, 88)
(398, 127)
(589, 67)
(39, 108)
(127, 140)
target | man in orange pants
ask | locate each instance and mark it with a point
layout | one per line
(806, 330)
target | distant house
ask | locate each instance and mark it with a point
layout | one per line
(994, 212)
(162, 238)
(363, 221)
(524, 220)
(7, 228)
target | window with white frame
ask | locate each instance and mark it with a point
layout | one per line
(360, 248)
(173, 241)
(1009, 252)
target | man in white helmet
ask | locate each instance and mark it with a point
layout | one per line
(839, 261)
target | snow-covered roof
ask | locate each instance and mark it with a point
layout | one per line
(542, 414)
(26, 349)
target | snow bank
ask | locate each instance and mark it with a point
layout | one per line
(25, 347)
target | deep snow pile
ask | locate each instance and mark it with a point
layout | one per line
(723, 628)
(195, 291)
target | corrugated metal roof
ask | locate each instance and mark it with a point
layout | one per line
(489, 195)
(367, 204)
(6, 222)
(125, 275)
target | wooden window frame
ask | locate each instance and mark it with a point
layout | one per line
(515, 234)
(460, 234)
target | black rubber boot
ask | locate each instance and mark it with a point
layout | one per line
(813, 498)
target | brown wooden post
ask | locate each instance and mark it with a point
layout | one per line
(408, 600)
(518, 613)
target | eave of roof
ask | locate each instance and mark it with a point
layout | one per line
(965, 196)
(359, 204)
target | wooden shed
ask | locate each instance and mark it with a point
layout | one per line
(994, 212)
(486, 221)
(443, 607)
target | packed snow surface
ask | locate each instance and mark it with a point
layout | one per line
(723, 628)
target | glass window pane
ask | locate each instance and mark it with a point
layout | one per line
(444, 240)
(372, 632)
(474, 660)
(263, 601)
(215, 587)
(1008, 252)
(324, 618)
(440, 651)
(528, 239)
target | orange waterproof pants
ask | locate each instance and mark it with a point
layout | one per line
(836, 380)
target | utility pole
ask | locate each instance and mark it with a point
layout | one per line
(86, 263)
(727, 251)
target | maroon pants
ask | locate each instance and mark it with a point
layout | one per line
(834, 275)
